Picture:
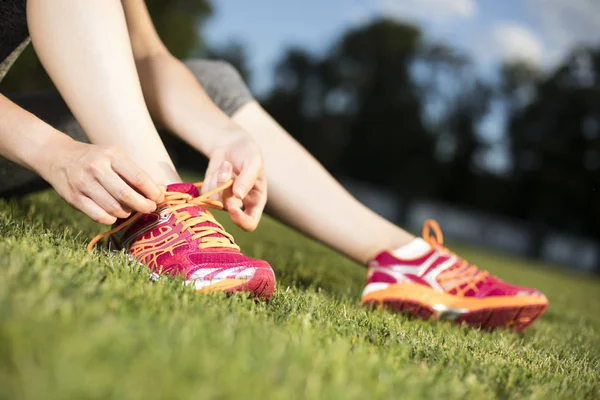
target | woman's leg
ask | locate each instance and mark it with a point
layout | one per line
(86, 51)
(304, 195)
(301, 192)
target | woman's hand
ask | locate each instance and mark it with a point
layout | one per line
(237, 157)
(100, 181)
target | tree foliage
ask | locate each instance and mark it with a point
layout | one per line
(386, 106)
(555, 143)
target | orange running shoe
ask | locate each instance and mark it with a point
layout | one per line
(427, 280)
(183, 238)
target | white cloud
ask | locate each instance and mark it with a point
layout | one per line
(543, 32)
(566, 23)
(568, 20)
(429, 10)
(513, 41)
(357, 14)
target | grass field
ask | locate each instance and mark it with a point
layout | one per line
(79, 326)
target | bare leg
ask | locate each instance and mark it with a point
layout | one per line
(304, 195)
(86, 51)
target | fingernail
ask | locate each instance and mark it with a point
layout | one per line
(240, 191)
(224, 171)
(225, 166)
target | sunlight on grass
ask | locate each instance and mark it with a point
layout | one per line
(74, 325)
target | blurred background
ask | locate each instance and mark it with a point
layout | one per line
(482, 114)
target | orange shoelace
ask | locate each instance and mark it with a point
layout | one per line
(466, 270)
(175, 201)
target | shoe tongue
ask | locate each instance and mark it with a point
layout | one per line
(416, 248)
(184, 187)
(195, 211)
(192, 190)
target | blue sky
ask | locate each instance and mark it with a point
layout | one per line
(540, 31)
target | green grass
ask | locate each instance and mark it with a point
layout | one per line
(81, 326)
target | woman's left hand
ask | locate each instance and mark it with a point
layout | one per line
(238, 157)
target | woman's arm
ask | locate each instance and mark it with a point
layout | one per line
(69, 166)
(178, 102)
(23, 137)
(86, 51)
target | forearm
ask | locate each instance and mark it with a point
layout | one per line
(24, 138)
(178, 102)
(87, 176)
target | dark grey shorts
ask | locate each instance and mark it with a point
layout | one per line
(220, 80)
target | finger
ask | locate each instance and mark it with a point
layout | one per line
(256, 210)
(102, 198)
(138, 178)
(255, 205)
(246, 179)
(232, 202)
(243, 220)
(210, 183)
(213, 166)
(125, 194)
(224, 175)
(210, 178)
(93, 210)
(256, 200)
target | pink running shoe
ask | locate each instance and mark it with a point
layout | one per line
(427, 280)
(183, 238)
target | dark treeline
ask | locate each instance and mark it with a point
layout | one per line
(386, 106)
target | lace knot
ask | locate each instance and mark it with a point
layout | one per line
(203, 226)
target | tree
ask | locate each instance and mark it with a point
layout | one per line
(455, 101)
(555, 141)
(388, 141)
(357, 108)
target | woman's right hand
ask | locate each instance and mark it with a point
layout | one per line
(101, 181)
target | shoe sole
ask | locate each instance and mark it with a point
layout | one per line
(512, 312)
(261, 285)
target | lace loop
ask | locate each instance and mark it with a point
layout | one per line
(437, 239)
(464, 268)
(173, 202)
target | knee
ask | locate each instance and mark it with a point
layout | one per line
(228, 71)
(222, 82)
(209, 72)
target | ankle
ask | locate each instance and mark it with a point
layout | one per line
(398, 241)
(164, 174)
